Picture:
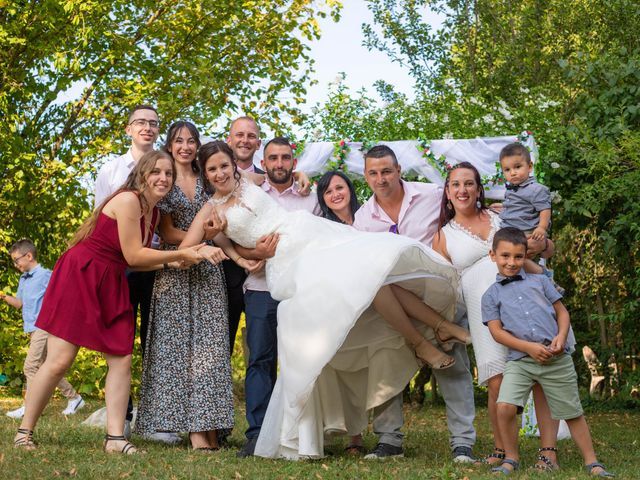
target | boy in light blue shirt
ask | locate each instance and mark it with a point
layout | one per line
(525, 313)
(31, 288)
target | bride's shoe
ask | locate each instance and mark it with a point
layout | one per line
(424, 351)
(458, 335)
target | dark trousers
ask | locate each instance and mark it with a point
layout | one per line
(235, 297)
(234, 277)
(140, 290)
(262, 322)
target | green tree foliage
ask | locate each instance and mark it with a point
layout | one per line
(569, 72)
(71, 69)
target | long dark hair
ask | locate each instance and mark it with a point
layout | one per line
(172, 133)
(323, 184)
(205, 152)
(446, 212)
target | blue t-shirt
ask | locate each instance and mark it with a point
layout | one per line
(31, 290)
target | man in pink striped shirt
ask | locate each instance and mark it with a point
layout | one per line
(412, 209)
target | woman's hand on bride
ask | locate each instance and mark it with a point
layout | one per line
(214, 225)
(214, 255)
(266, 246)
(250, 266)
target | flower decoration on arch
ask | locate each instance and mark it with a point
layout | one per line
(341, 150)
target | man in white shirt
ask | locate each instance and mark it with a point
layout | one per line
(143, 126)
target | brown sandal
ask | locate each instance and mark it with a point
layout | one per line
(448, 344)
(26, 441)
(127, 449)
(441, 362)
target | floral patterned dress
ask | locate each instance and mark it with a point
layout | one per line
(186, 373)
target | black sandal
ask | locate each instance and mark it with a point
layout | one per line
(127, 449)
(547, 465)
(26, 441)
(498, 453)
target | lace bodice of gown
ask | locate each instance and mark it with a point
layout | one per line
(256, 214)
(466, 248)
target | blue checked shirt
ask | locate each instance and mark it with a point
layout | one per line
(525, 309)
(31, 290)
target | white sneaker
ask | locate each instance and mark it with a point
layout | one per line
(73, 406)
(170, 438)
(17, 413)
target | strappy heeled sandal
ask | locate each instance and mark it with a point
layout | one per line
(498, 453)
(440, 363)
(504, 470)
(547, 464)
(26, 441)
(448, 344)
(127, 449)
(602, 473)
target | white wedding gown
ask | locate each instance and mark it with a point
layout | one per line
(338, 358)
(470, 255)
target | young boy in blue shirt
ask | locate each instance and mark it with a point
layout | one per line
(525, 313)
(33, 283)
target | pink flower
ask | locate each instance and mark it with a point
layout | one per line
(342, 143)
(294, 146)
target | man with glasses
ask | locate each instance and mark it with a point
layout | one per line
(31, 289)
(413, 209)
(143, 127)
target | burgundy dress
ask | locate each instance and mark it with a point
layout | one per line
(87, 300)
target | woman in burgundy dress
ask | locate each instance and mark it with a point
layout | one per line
(87, 301)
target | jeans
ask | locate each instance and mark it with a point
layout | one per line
(262, 321)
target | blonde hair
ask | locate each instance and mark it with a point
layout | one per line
(136, 182)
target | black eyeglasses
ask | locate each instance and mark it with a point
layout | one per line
(15, 260)
(141, 122)
(394, 229)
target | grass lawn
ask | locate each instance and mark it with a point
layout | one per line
(68, 449)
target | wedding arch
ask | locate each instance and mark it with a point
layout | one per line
(427, 159)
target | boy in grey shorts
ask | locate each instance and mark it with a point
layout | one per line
(525, 313)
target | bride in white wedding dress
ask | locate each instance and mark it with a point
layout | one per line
(349, 338)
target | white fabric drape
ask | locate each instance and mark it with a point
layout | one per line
(481, 152)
